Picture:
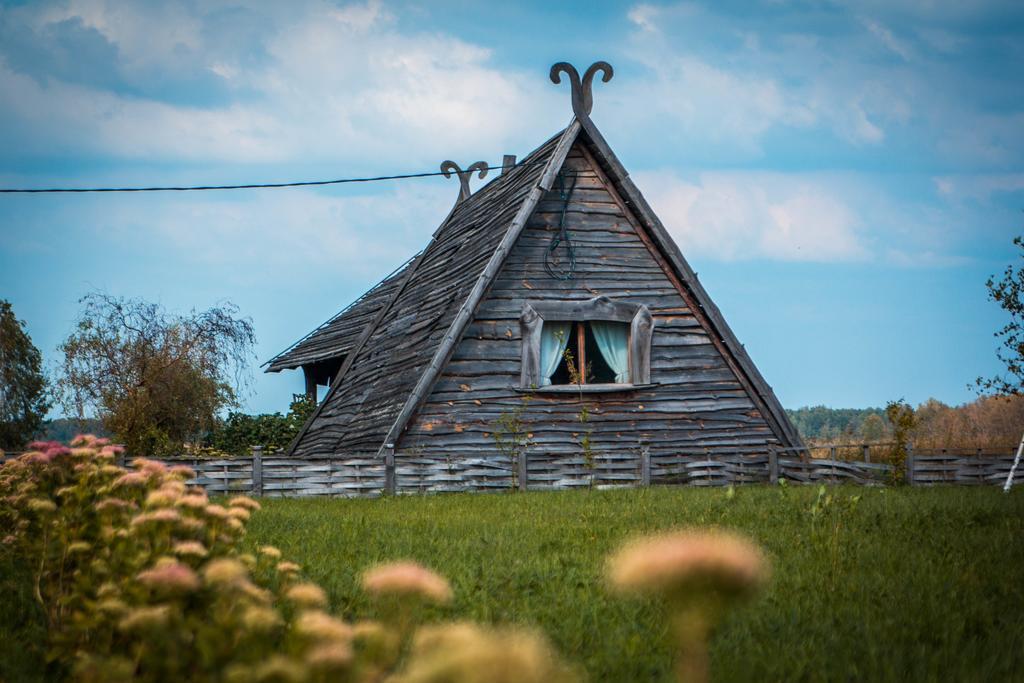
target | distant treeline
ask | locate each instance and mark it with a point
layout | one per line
(821, 423)
(64, 429)
(987, 422)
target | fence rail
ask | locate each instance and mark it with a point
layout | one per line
(366, 475)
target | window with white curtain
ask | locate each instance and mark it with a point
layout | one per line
(585, 352)
(592, 343)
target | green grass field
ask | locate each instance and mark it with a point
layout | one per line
(896, 585)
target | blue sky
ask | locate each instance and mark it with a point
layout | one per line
(843, 176)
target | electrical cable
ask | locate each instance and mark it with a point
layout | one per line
(248, 186)
(565, 195)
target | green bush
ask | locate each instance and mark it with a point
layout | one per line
(137, 576)
(239, 432)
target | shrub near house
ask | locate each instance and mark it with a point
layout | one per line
(238, 433)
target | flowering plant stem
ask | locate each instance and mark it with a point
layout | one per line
(693, 662)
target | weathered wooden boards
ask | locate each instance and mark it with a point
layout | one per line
(940, 468)
(926, 468)
(828, 471)
(358, 415)
(274, 475)
(280, 476)
(697, 406)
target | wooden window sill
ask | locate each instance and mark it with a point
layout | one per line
(582, 388)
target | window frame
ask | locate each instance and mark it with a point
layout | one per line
(641, 328)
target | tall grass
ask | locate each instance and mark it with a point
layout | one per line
(868, 584)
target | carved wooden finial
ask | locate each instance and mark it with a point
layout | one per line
(449, 167)
(582, 90)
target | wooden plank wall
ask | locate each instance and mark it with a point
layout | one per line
(698, 411)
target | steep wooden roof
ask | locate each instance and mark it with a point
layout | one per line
(336, 337)
(383, 371)
(417, 323)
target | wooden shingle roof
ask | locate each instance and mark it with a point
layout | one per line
(384, 367)
(417, 322)
(336, 337)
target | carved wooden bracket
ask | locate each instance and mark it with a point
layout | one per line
(582, 90)
(448, 167)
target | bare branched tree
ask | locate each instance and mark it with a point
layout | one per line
(156, 379)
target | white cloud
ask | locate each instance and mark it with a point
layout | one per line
(871, 75)
(735, 98)
(738, 216)
(362, 17)
(886, 37)
(711, 103)
(328, 83)
(644, 16)
(861, 128)
(978, 187)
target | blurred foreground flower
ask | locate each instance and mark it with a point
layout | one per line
(140, 576)
(169, 576)
(699, 575)
(407, 579)
(225, 571)
(466, 653)
(307, 595)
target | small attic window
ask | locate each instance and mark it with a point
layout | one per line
(598, 345)
(585, 352)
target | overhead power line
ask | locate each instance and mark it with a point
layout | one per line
(249, 186)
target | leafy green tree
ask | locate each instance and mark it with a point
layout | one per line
(157, 380)
(872, 428)
(23, 395)
(239, 432)
(1008, 292)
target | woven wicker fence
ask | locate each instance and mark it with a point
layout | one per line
(271, 474)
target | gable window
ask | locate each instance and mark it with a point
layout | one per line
(597, 344)
(586, 352)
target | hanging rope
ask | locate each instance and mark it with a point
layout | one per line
(551, 264)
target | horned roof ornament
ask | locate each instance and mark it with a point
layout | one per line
(582, 90)
(448, 167)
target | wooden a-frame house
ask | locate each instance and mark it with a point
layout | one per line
(551, 319)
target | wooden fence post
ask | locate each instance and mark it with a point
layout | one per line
(523, 473)
(389, 469)
(645, 465)
(909, 466)
(257, 470)
(866, 452)
(773, 465)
